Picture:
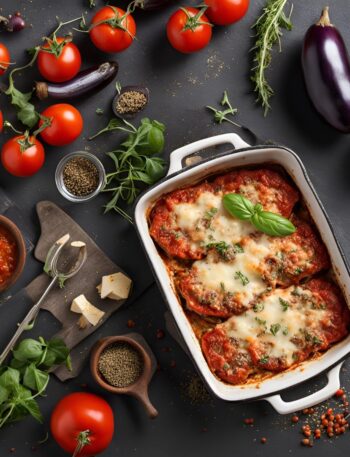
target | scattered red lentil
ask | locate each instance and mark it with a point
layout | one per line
(131, 323)
(295, 419)
(263, 440)
(160, 334)
(307, 442)
(339, 393)
(249, 421)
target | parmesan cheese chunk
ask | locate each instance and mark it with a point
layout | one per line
(82, 306)
(116, 286)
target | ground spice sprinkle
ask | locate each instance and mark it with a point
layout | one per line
(131, 102)
(80, 176)
(120, 364)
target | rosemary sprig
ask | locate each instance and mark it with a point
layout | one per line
(268, 30)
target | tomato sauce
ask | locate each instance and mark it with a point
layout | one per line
(8, 256)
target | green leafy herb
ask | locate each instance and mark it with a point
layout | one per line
(264, 359)
(222, 286)
(270, 223)
(268, 30)
(238, 248)
(285, 331)
(113, 124)
(221, 115)
(275, 328)
(99, 111)
(220, 246)
(244, 280)
(284, 303)
(135, 164)
(27, 377)
(258, 307)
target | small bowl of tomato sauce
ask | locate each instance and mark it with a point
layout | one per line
(12, 253)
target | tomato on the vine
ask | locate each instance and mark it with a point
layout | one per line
(22, 155)
(4, 58)
(65, 127)
(189, 30)
(85, 420)
(59, 60)
(226, 12)
(112, 29)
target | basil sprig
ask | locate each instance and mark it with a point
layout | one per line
(270, 223)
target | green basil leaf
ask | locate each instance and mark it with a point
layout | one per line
(238, 206)
(10, 378)
(35, 379)
(31, 407)
(4, 394)
(272, 224)
(57, 352)
(28, 349)
(154, 168)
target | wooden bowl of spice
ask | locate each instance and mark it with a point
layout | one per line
(80, 176)
(12, 253)
(121, 365)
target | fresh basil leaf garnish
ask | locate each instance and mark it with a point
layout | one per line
(238, 206)
(272, 224)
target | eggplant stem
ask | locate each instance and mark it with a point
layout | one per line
(324, 19)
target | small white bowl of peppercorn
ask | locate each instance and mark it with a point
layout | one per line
(80, 176)
(121, 365)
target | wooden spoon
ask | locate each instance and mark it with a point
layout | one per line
(139, 389)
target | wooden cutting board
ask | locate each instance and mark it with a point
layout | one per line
(54, 224)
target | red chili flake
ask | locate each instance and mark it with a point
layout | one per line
(160, 334)
(263, 440)
(249, 421)
(173, 364)
(131, 323)
(339, 393)
(295, 419)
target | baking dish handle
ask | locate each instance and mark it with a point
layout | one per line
(287, 407)
(177, 156)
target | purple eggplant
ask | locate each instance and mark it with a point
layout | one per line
(326, 68)
(87, 80)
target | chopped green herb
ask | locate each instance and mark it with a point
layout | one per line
(221, 247)
(222, 286)
(99, 111)
(285, 331)
(239, 275)
(284, 303)
(226, 366)
(260, 321)
(298, 271)
(210, 213)
(264, 359)
(315, 340)
(238, 248)
(258, 307)
(275, 328)
(295, 356)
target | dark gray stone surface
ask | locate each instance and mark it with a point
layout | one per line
(180, 88)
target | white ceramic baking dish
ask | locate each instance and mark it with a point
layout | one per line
(243, 154)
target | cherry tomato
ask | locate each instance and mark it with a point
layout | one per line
(115, 36)
(66, 124)
(80, 412)
(225, 12)
(4, 58)
(61, 68)
(1, 121)
(186, 32)
(22, 156)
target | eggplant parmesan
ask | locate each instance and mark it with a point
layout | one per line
(258, 304)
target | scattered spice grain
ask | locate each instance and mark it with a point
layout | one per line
(130, 102)
(263, 440)
(80, 176)
(131, 323)
(120, 364)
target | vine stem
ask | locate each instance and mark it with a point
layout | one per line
(82, 441)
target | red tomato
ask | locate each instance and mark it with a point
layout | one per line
(4, 58)
(22, 157)
(187, 34)
(113, 37)
(66, 124)
(1, 121)
(225, 12)
(61, 68)
(79, 412)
